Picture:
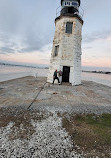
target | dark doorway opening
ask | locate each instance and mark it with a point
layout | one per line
(66, 72)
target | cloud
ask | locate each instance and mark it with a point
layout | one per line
(28, 42)
(24, 26)
(109, 38)
(35, 42)
(87, 47)
(4, 50)
(88, 38)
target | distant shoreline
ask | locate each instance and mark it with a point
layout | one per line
(99, 72)
(6, 64)
(40, 67)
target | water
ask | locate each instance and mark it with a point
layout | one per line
(96, 77)
(12, 72)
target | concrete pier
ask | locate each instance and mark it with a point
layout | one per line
(88, 97)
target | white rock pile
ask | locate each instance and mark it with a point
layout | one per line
(49, 140)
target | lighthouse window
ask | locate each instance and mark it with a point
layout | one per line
(75, 4)
(69, 27)
(56, 50)
(67, 3)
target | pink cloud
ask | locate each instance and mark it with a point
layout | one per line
(98, 63)
(109, 39)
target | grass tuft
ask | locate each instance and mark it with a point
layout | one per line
(92, 133)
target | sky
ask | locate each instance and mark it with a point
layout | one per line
(27, 31)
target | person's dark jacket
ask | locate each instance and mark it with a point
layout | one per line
(55, 74)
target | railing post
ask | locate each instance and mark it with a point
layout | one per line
(57, 11)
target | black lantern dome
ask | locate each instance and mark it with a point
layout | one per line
(70, 7)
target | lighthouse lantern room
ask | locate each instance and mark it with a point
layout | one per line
(66, 51)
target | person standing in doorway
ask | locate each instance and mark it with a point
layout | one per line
(55, 76)
(60, 76)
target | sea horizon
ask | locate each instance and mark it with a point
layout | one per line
(84, 68)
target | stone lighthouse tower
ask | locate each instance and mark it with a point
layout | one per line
(66, 51)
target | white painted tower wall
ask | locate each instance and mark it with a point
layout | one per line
(69, 49)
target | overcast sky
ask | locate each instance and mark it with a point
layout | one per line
(27, 30)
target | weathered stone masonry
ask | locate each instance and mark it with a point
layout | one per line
(69, 49)
(69, 53)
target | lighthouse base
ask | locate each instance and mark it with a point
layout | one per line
(70, 75)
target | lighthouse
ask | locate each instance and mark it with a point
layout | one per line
(66, 50)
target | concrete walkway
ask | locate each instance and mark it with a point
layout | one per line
(34, 93)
